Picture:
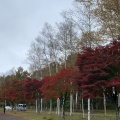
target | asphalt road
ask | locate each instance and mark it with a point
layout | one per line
(10, 117)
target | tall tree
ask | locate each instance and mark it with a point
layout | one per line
(35, 59)
(108, 14)
(85, 20)
(96, 67)
(48, 34)
(67, 38)
(59, 86)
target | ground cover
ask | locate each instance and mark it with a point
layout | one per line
(31, 115)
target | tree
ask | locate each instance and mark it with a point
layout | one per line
(12, 91)
(35, 59)
(103, 12)
(48, 91)
(32, 92)
(83, 16)
(108, 14)
(20, 73)
(47, 88)
(31, 88)
(59, 86)
(64, 85)
(96, 67)
(48, 34)
(67, 38)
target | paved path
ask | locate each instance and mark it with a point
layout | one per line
(10, 117)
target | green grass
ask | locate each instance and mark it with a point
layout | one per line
(31, 115)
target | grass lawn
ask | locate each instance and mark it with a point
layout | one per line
(31, 115)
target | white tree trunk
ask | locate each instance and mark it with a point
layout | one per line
(36, 106)
(56, 64)
(88, 108)
(92, 107)
(71, 103)
(49, 69)
(76, 100)
(58, 107)
(83, 108)
(50, 106)
(41, 105)
(104, 102)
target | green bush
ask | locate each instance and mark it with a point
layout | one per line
(44, 117)
(50, 118)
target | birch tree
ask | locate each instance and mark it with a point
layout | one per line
(35, 59)
(67, 37)
(52, 44)
(48, 33)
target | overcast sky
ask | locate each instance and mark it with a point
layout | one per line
(20, 23)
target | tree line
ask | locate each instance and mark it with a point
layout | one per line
(96, 74)
(72, 58)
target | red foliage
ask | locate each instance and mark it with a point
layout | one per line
(48, 88)
(12, 91)
(64, 81)
(96, 67)
(114, 82)
(59, 84)
(31, 88)
(21, 90)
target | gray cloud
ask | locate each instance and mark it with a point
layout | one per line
(20, 23)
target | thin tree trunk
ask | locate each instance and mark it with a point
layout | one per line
(96, 104)
(76, 101)
(41, 74)
(80, 105)
(65, 59)
(41, 105)
(118, 107)
(92, 107)
(56, 64)
(117, 113)
(83, 108)
(50, 106)
(88, 108)
(49, 69)
(104, 102)
(58, 107)
(63, 107)
(71, 103)
(36, 106)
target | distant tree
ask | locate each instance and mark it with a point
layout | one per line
(20, 73)
(12, 92)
